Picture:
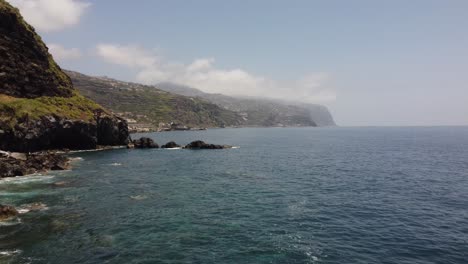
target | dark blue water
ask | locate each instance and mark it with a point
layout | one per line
(287, 195)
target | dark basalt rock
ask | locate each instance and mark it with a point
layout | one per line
(170, 144)
(48, 133)
(20, 164)
(52, 132)
(112, 131)
(7, 212)
(202, 145)
(145, 142)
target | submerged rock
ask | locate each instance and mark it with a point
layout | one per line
(170, 144)
(7, 212)
(24, 164)
(198, 144)
(60, 183)
(145, 142)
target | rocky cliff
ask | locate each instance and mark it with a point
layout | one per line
(39, 108)
(27, 69)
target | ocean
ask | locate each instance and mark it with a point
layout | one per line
(285, 195)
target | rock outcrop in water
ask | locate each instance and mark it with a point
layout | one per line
(20, 164)
(7, 212)
(145, 142)
(198, 144)
(39, 108)
(170, 144)
(112, 131)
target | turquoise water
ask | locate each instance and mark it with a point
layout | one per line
(287, 195)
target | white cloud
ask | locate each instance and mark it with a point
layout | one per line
(203, 74)
(131, 56)
(61, 53)
(201, 64)
(51, 15)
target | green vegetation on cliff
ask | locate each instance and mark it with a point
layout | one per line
(146, 104)
(32, 85)
(39, 108)
(76, 107)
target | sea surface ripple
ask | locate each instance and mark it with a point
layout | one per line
(286, 195)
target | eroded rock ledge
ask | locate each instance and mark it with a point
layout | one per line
(20, 164)
(52, 132)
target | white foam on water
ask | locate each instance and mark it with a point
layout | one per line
(84, 150)
(93, 150)
(312, 257)
(174, 148)
(76, 159)
(139, 197)
(23, 211)
(26, 179)
(10, 252)
(26, 208)
(11, 222)
(235, 147)
(115, 164)
(71, 198)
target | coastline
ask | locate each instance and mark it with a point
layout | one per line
(13, 164)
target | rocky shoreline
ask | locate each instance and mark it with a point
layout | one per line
(43, 117)
(52, 132)
(14, 164)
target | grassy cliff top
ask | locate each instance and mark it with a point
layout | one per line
(77, 107)
(32, 85)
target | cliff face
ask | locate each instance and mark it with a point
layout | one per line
(54, 132)
(261, 111)
(27, 69)
(39, 108)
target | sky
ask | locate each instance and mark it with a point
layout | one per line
(372, 63)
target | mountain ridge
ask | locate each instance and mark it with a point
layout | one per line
(170, 103)
(319, 114)
(149, 105)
